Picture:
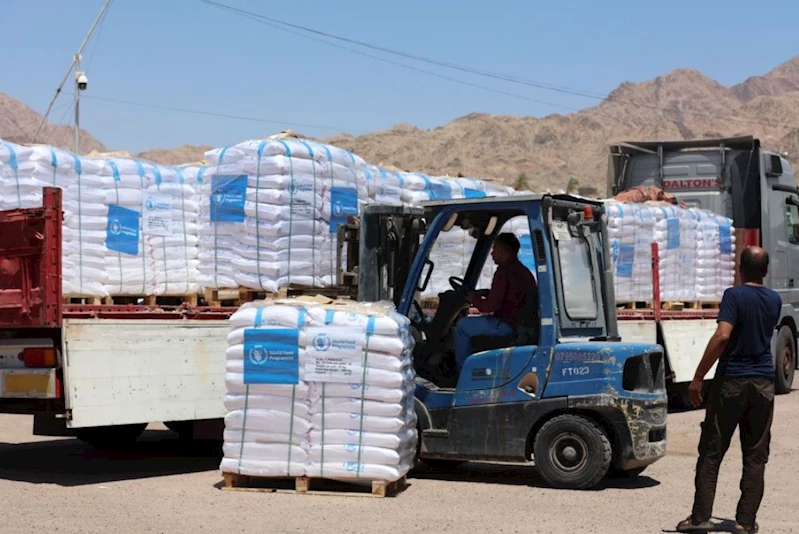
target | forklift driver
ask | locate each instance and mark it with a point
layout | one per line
(512, 285)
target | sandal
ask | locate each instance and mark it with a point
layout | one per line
(742, 529)
(690, 525)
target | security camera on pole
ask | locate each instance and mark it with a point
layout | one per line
(81, 83)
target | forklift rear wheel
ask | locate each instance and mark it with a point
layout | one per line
(110, 437)
(572, 452)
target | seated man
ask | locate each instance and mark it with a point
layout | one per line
(512, 285)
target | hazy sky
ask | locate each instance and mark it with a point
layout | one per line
(184, 53)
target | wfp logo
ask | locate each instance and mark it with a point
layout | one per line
(338, 209)
(352, 316)
(350, 447)
(257, 355)
(292, 187)
(322, 342)
(115, 227)
(150, 204)
(220, 198)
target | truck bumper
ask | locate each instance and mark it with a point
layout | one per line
(638, 425)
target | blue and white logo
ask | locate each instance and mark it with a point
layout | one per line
(115, 227)
(257, 355)
(150, 204)
(220, 198)
(352, 316)
(350, 447)
(322, 343)
(292, 187)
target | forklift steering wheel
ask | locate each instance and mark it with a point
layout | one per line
(458, 284)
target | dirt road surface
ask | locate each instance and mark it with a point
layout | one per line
(163, 486)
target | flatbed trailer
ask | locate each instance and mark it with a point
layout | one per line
(99, 372)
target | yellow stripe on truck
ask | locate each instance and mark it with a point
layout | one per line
(25, 383)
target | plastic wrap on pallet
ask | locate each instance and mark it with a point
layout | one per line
(270, 210)
(322, 390)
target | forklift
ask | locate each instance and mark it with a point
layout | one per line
(563, 391)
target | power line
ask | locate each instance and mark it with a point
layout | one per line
(276, 23)
(216, 114)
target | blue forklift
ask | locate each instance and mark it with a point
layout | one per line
(563, 391)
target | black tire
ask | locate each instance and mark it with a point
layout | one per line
(184, 429)
(784, 361)
(111, 437)
(617, 474)
(572, 452)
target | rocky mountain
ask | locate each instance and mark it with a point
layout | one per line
(549, 151)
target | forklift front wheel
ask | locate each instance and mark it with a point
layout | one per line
(572, 452)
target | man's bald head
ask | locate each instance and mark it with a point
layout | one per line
(754, 264)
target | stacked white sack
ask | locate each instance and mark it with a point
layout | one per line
(359, 367)
(675, 234)
(384, 187)
(450, 254)
(268, 404)
(270, 211)
(715, 256)
(129, 262)
(323, 391)
(25, 171)
(171, 221)
(631, 231)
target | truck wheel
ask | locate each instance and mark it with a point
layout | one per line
(572, 452)
(110, 437)
(785, 361)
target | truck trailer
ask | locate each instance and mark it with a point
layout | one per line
(563, 390)
(738, 179)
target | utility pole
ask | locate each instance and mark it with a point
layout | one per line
(81, 82)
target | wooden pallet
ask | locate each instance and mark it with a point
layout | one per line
(669, 305)
(125, 300)
(216, 298)
(314, 485)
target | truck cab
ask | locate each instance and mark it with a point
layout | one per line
(562, 390)
(736, 178)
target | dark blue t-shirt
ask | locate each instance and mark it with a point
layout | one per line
(753, 311)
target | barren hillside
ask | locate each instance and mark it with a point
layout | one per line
(551, 150)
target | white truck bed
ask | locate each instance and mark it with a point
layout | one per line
(123, 371)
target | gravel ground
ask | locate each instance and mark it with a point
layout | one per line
(161, 486)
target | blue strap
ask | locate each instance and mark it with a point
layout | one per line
(301, 317)
(139, 167)
(180, 174)
(201, 174)
(310, 150)
(157, 173)
(329, 316)
(401, 179)
(78, 166)
(286, 146)
(222, 155)
(12, 156)
(370, 326)
(259, 316)
(329, 154)
(114, 170)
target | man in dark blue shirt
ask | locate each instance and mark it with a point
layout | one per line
(742, 395)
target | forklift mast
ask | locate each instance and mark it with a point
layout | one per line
(381, 247)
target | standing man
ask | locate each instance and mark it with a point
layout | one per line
(742, 394)
(512, 286)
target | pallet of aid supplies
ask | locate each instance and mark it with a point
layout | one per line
(216, 298)
(314, 485)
